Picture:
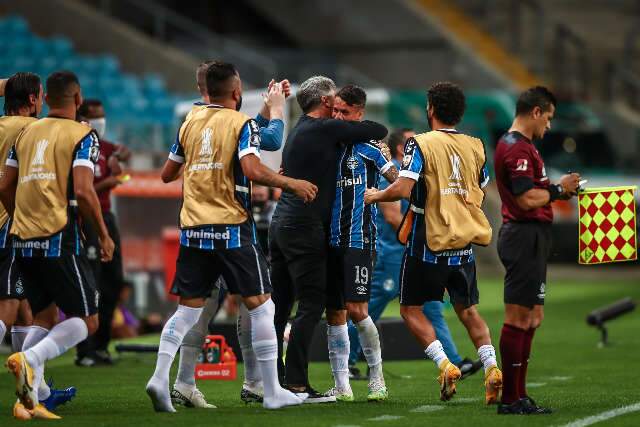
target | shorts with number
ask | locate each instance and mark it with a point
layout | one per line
(422, 281)
(350, 271)
(11, 286)
(67, 281)
(243, 269)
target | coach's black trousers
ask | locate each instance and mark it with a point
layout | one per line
(298, 251)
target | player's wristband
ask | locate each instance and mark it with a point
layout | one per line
(555, 191)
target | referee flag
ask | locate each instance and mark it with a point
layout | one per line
(607, 225)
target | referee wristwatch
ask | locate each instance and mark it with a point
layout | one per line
(555, 191)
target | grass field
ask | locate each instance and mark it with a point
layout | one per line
(568, 372)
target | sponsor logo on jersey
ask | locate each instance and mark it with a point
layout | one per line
(348, 182)
(209, 235)
(31, 244)
(206, 166)
(457, 252)
(522, 165)
(352, 162)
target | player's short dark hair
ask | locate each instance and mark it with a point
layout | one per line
(537, 96)
(18, 89)
(219, 74)
(201, 76)
(397, 138)
(353, 95)
(448, 102)
(87, 104)
(61, 88)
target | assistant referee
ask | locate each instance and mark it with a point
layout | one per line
(298, 236)
(524, 241)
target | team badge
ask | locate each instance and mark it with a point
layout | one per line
(254, 140)
(352, 162)
(19, 287)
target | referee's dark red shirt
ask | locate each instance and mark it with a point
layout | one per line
(519, 168)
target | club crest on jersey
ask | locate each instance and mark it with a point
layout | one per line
(522, 165)
(206, 149)
(41, 147)
(352, 162)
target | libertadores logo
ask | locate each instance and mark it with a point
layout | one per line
(41, 147)
(206, 149)
(455, 166)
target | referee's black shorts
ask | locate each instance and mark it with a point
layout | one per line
(524, 248)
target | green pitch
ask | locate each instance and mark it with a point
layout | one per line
(567, 372)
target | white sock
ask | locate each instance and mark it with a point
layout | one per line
(3, 331)
(192, 343)
(251, 371)
(370, 342)
(18, 334)
(61, 338)
(34, 336)
(487, 356)
(338, 342)
(436, 353)
(172, 334)
(265, 346)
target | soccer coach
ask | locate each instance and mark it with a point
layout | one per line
(298, 236)
(524, 241)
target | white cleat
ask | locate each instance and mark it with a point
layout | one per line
(189, 396)
(159, 397)
(283, 398)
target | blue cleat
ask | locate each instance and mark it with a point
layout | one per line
(58, 397)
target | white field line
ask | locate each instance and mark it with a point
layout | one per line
(536, 385)
(387, 418)
(604, 416)
(427, 408)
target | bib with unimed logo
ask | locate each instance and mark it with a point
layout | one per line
(453, 213)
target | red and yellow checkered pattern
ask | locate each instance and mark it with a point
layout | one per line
(607, 225)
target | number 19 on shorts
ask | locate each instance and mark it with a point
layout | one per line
(362, 275)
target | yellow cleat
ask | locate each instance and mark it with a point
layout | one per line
(19, 367)
(42, 413)
(449, 374)
(493, 385)
(20, 412)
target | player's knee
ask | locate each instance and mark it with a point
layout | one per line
(409, 311)
(336, 317)
(536, 320)
(357, 311)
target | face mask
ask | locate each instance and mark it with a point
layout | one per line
(99, 125)
(239, 104)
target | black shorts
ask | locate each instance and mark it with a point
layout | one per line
(524, 249)
(66, 281)
(422, 281)
(349, 275)
(11, 286)
(244, 271)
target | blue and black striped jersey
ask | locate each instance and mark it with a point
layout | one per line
(413, 168)
(353, 224)
(224, 236)
(68, 240)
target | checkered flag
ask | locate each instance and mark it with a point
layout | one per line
(607, 225)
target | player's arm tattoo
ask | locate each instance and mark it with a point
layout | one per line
(391, 174)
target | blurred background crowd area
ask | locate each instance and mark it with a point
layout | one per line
(139, 58)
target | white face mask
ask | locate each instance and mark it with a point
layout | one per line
(99, 125)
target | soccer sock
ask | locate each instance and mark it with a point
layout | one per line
(436, 353)
(487, 355)
(370, 341)
(526, 351)
(265, 346)
(3, 331)
(192, 343)
(172, 334)
(61, 338)
(34, 336)
(338, 342)
(511, 340)
(251, 370)
(18, 334)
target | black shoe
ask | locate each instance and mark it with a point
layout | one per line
(356, 374)
(247, 396)
(103, 357)
(468, 367)
(314, 396)
(534, 409)
(515, 408)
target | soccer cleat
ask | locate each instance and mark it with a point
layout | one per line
(449, 374)
(42, 413)
(20, 412)
(250, 394)
(313, 396)
(341, 395)
(468, 367)
(514, 408)
(493, 385)
(20, 368)
(103, 357)
(189, 397)
(535, 409)
(58, 397)
(377, 391)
